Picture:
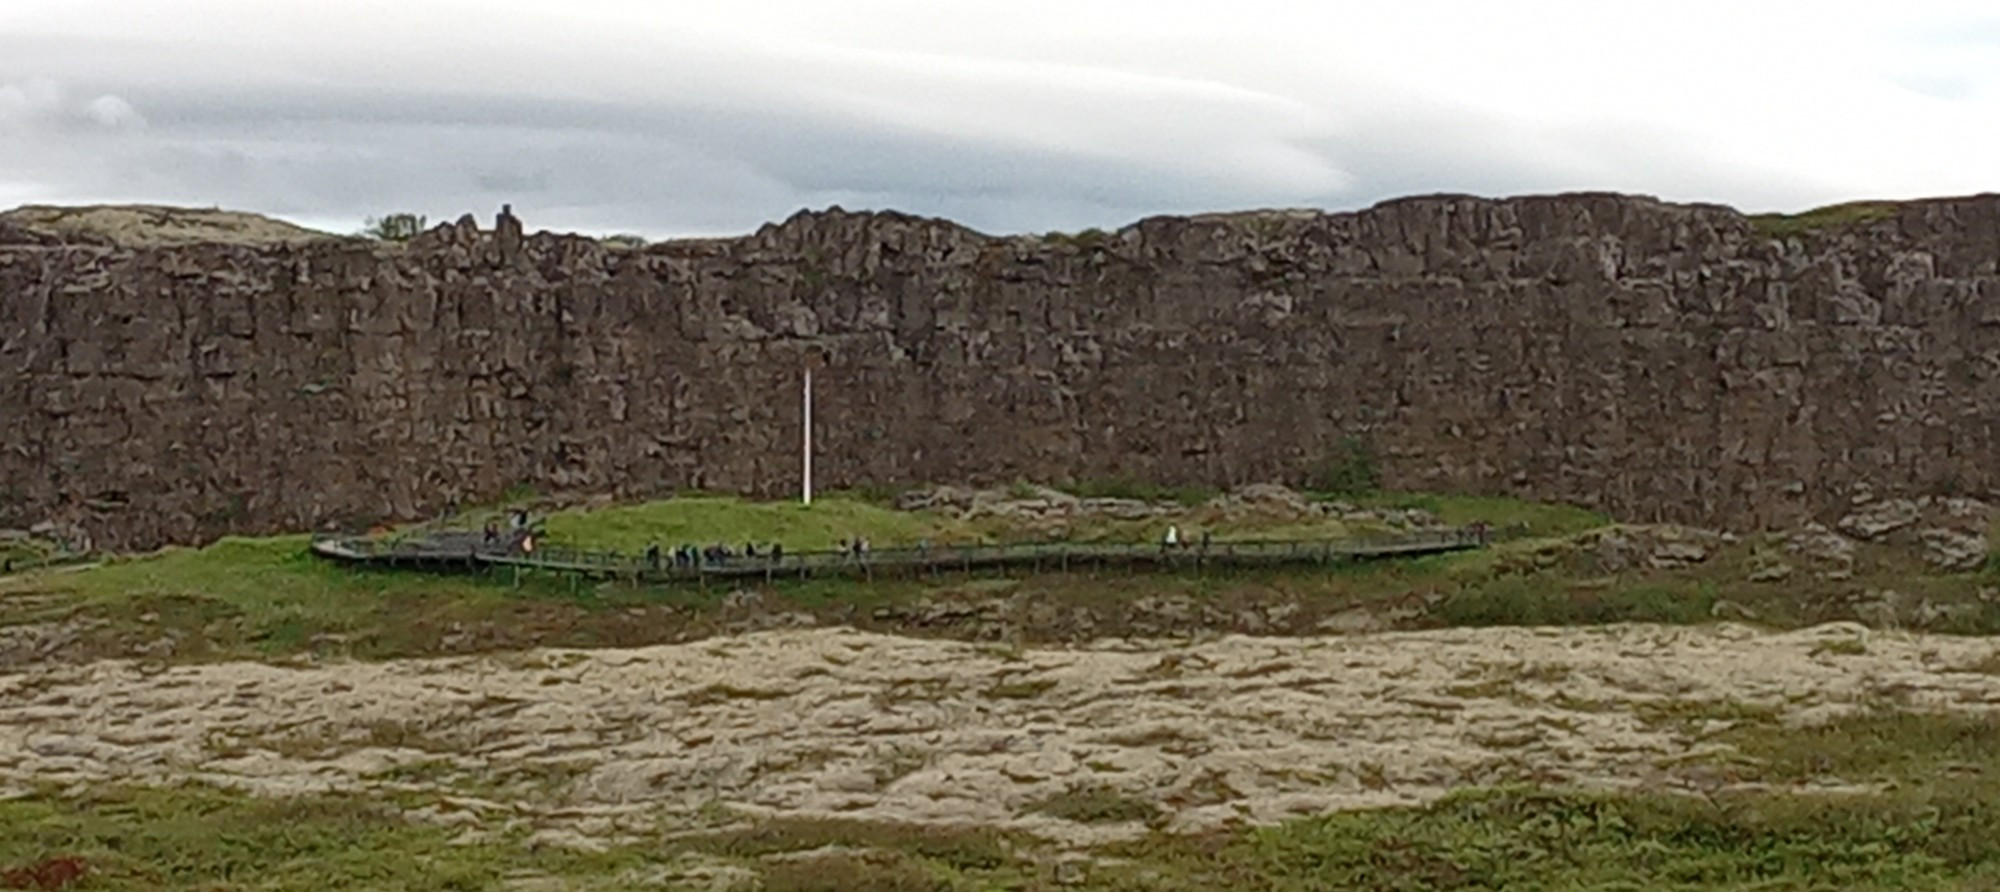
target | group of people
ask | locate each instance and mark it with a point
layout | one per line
(687, 557)
(520, 534)
(692, 557)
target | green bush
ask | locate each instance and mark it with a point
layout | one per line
(1127, 486)
(395, 227)
(1347, 469)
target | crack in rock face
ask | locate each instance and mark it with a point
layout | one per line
(840, 723)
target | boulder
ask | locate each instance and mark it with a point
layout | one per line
(1878, 519)
(1821, 545)
(1677, 554)
(1658, 547)
(1774, 571)
(1954, 551)
(1122, 509)
(936, 498)
(1264, 500)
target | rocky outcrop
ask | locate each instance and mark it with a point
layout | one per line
(1950, 531)
(1659, 362)
(1954, 551)
(1054, 511)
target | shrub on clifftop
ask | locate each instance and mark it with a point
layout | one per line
(395, 227)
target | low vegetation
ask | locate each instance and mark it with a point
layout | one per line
(196, 837)
(1831, 216)
(267, 597)
(701, 520)
(395, 227)
(1097, 805)
(1349, 468)
(1132, 487)
(1884, 798)
(1920, 800)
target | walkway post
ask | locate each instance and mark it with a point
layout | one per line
(806, 455)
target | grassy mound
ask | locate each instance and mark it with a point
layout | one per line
(1847, 214)
(731, 521)
(150, 225)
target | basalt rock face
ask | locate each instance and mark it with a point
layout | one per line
(1662, 362)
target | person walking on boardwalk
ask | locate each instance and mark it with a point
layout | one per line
(777, 553)
(1172, 539)
(653, 557)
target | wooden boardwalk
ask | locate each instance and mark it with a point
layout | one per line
(469, 552)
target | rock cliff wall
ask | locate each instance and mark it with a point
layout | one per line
(1659, 361)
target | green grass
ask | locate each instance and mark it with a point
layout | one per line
(1535, 839)
(274, 585)
(22, 554)
(1929, 827)
(1847, 214)
(709, 519)
(198, 838)
(243, 597)
(1096, 805)
(258, 598)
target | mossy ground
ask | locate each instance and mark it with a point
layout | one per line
(1923, 799)
(1917, 809)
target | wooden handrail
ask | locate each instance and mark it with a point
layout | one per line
(965, 557)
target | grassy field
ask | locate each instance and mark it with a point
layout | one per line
(1928, 824)
(1920, 792)
(267, 597)
(709, 519)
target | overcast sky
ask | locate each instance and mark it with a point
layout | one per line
(670, 118)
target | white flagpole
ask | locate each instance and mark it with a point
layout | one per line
(808, 451)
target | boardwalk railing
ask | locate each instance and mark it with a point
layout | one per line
(470, 553)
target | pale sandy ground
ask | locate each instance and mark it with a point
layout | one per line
(592, 745)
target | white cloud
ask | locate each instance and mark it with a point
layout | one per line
(42, 103)
(113, 112)
(1025, 114)
(26, 104)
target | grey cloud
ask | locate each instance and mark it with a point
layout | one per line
(654, 168)
(713, 136)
